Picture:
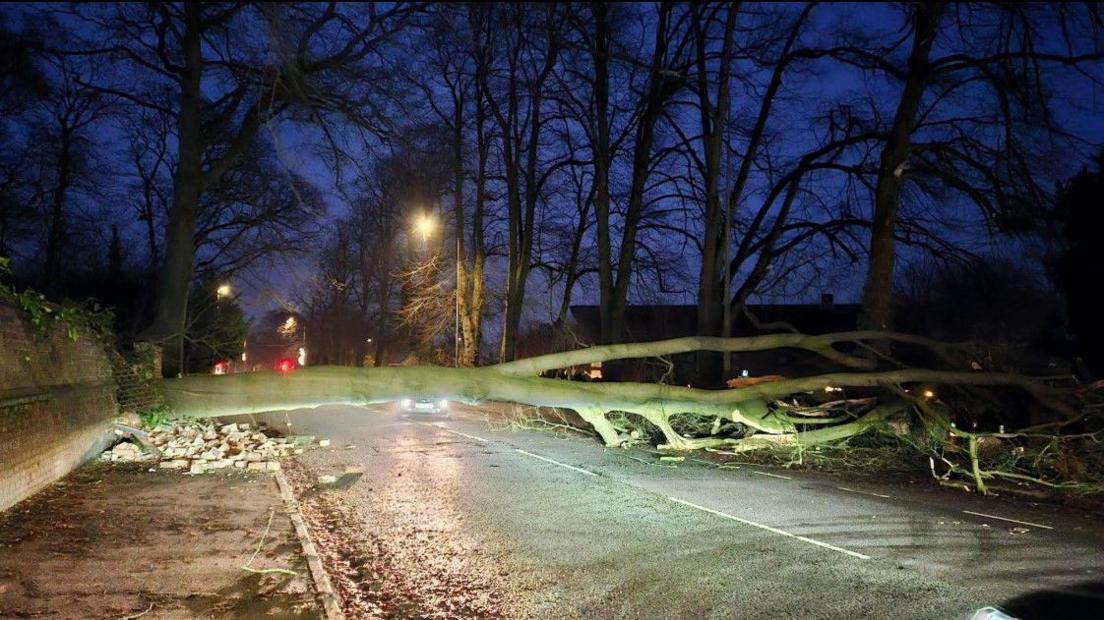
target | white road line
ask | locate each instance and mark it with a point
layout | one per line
(768, 528)
(767, 473)
(865, 493)
(449, 430)
(464, 435)
(982, 514)
(548, 460)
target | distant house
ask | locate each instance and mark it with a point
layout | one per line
(644, 323)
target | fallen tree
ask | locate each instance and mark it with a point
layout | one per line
(880, 394)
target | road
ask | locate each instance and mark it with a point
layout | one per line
(531, 524)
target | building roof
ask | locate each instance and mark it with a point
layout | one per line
(645, 323)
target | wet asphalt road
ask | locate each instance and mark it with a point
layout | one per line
(545, 526)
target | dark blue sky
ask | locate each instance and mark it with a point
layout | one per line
(1078, 105)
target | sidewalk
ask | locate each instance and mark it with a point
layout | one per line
(121, 541)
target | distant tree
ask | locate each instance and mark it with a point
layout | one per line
(982, 298)
(336, 321)
(217, 329)
(627, 93)
(972, 120)
(61, 147)
(21, 83)
(1078, 267)
(150, 190)
(426, 315)
(222, 73)
(21, 77)
(525, 46)
(258, 210)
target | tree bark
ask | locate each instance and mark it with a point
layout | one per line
(714, 119)
(877, 312)
(177, 267)
(472, 317)
(601, 155)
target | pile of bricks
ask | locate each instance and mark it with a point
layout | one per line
(199, 448)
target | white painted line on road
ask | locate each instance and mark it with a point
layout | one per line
(464, 434)
(548, 460)
(449, 430)
(774, 530)
(865, 493)
(982, 514)
(767, 473)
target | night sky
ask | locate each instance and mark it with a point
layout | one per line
(811, 89)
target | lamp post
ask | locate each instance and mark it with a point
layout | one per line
(456, 305)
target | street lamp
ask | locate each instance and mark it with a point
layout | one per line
(289, 326)
(223, 290)
(424, 225)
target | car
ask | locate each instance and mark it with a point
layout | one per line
(427, 406)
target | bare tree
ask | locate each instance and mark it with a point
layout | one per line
(228, 71)
(152, 165)
(969, 116)
(62, 147)
(528, 48)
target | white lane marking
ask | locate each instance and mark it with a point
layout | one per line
(982, 514)
(768, 528)
(548, 460)
(464, 435)
(449, 430)
(865, 493)
(767, 473)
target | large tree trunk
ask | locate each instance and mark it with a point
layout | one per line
(601, 155)
(471, 313)
(714, 118)
(462, 329)
(177, 267)
(759, 407)
(472, 316)
(614, 283)
(877, 310)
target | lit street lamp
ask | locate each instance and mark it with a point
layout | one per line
(223, 290)
(424, 226)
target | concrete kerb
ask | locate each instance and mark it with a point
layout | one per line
(330, 601)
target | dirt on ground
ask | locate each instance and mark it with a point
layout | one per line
(120, 541)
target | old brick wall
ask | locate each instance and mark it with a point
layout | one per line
(57, 403)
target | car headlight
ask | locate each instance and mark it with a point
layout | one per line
(441, 404)
(406, 403)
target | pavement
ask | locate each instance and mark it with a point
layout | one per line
(120, 541)
(460, 518)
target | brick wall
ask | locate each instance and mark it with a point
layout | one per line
(57, 403)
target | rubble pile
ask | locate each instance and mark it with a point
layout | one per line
(198, 447)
